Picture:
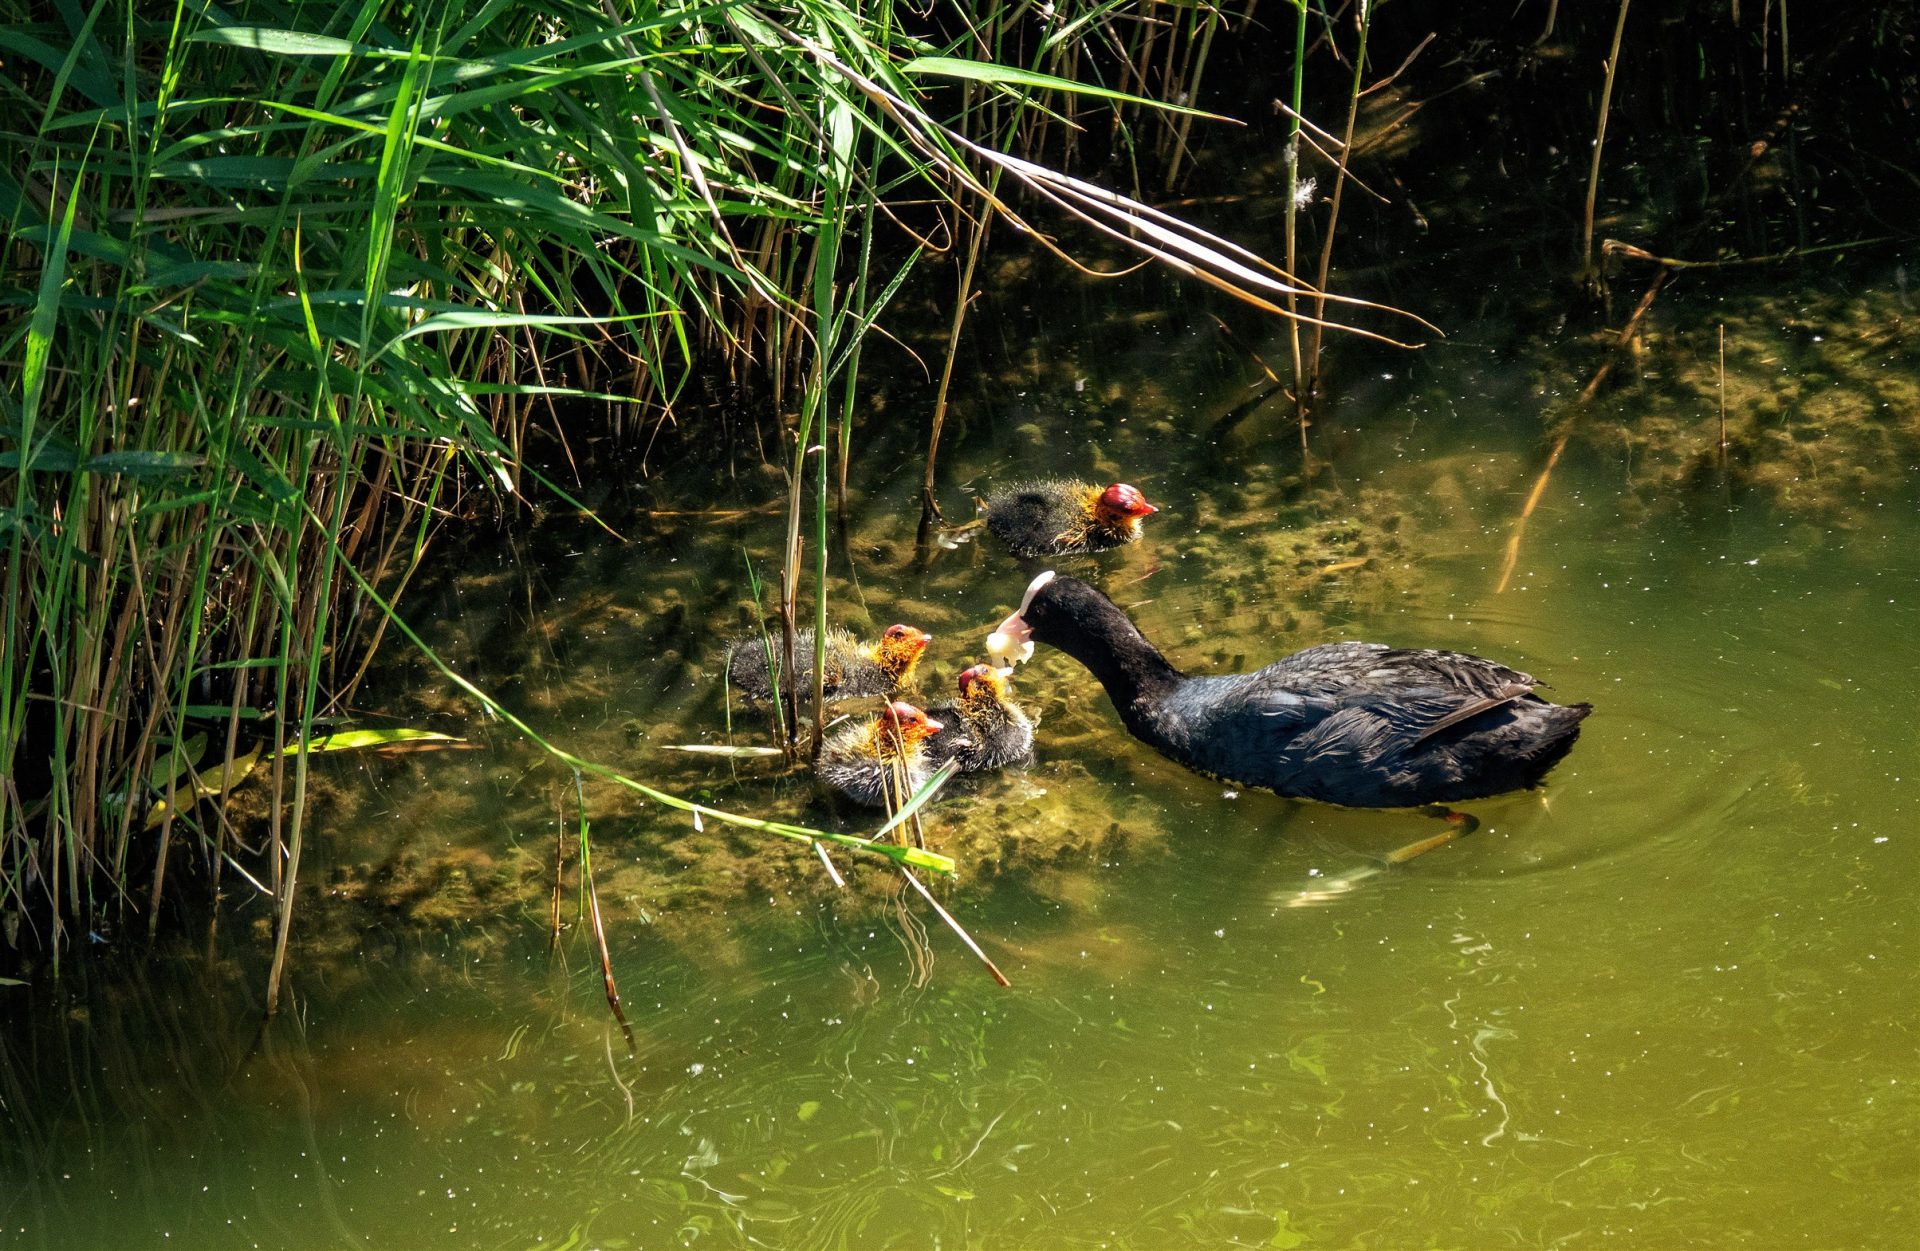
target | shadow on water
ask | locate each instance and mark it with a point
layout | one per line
(1662, 1002)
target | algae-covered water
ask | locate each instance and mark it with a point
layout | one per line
(1665, 1002)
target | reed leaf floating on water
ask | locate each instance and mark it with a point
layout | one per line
(399, 738)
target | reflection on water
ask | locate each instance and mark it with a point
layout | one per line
(1664, 1002)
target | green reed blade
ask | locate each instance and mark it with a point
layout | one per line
(919, 799)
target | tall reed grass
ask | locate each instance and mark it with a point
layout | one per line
(287, 286)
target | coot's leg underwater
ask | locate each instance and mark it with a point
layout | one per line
(1459, 825)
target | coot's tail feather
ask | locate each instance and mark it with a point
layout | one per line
(1512, 748)
(1561, 729)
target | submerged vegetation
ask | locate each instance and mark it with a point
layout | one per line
(294, 292)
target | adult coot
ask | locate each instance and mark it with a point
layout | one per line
(1360, 724)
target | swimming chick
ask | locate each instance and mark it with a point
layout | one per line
(854, 670)
(1062, 518)
(880, 762)
(986, 729)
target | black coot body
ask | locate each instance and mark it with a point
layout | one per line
(1359, 724)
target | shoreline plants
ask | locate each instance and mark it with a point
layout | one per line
(287, 287)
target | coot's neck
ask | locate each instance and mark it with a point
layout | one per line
(1136, 676)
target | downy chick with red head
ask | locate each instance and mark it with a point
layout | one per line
(882, 761)
(1061, 518)
(854, 670)
(986, 729)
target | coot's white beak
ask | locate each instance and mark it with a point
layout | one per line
(1012, 643)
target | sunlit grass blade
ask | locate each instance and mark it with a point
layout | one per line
(1033, 80)
(383, 739)
(919, 799)
(204, 784)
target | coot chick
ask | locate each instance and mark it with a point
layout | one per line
(880, 762)
(1359, 724)
(854, 670)
(1060, 518)
(985, 729)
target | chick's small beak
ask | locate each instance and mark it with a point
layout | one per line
(934, 727)
(1144, 509)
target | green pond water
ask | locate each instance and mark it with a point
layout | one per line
(1666, 1002)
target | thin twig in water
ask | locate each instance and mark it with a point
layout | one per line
(1388, 80)
(956, 927)
(1587, 271)
(1614, 247)
(593, 911)
(1723, 398)
(1301, 120)
(1560, 445)
(929, 504)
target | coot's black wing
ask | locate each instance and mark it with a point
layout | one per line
(1352, 723)
(1415, 694)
